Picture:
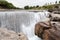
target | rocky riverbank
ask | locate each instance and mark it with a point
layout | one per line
(50, 29)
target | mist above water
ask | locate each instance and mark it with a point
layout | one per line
(22, 22)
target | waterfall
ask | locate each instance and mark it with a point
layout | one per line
(22, 22)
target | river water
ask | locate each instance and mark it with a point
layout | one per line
(22, 21)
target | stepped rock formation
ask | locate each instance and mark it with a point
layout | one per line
(49, 30)
(11, 35)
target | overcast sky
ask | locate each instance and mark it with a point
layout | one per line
(22, 3)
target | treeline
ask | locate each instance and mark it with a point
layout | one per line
(49, 6)
(6, 5)
(31, 7)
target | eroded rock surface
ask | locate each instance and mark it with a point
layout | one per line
(48, 30)
(40, 27)
(11, 35)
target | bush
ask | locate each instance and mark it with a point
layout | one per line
(26, 7)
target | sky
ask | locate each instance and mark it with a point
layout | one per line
(22, 3)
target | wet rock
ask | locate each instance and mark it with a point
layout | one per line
(55, 19)
(48, 30)
(50, 10)
(40, 27)
(51, 34)
(55, 16)
(56, 12)
(11, 35)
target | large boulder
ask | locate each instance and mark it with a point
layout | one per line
(40, 27)
(48, 30)
(11, 35)
(53, 33)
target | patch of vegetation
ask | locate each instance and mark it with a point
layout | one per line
(26, 7)
(6, 5)
(44, 7)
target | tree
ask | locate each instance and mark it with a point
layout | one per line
(56, 2)
(31, 7)
(34, 6)
(10, 6)
(26, 7)
(37, 6)
(59, 2)
(5, 4)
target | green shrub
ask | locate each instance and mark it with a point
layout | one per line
(26, 7)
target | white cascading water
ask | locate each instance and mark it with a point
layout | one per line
(22, 22)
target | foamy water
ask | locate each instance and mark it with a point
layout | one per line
(22, 22)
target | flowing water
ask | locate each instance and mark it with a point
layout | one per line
(22, 21)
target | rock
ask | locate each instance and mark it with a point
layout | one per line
(56, 12)
(40, 27)
(48, 30)
(50, 10)
(55, 19)
(55, 16)
(52, 34)
(11, 35)
(7, 34)
(22, 36)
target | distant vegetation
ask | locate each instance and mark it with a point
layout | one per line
(31, 7)
(6, 5)
(45, 7)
